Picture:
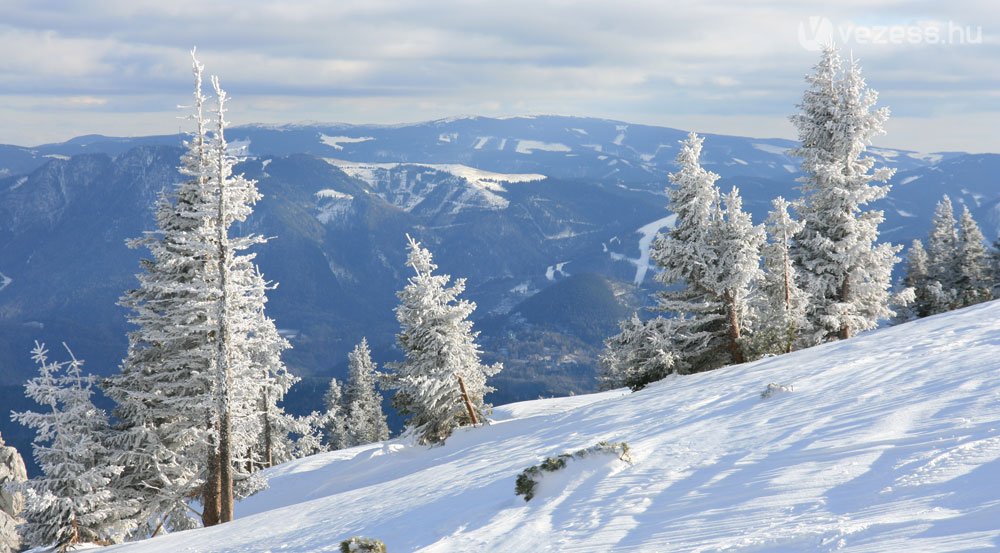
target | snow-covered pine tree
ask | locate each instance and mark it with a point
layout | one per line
(736, 270)
(12, 476)
(926, 292)
(335, 419)
(441, 352)
(942, 254)
(72, 501)
(259, 418)
(163, 393)
(846, 274)
(972, 274)
(994, 263)
(640, 354)
(203, 353)
(684, 255)
(362, 403)
(239, 327)
(781, 303)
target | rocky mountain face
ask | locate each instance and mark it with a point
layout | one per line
(12, 470)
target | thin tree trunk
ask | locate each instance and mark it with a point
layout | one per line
(159, 526)
(225, 470)
(223, 354)
(468, 402)
(210, 493)
(845, 291)
(735, 350)
(210, 497)
(788, 299)
(268, 445)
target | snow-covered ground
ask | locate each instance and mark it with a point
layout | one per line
(888, 442)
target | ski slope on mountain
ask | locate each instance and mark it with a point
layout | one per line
(887, 442)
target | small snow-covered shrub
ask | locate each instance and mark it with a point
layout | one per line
(774, 388)
(527, 481)
(359, 544)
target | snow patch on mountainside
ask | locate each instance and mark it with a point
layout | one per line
(336, 142)
(621, 134)
(932, 159)
(333, 205)
(647, 233)
(552, 270)
(334, 194)
(770, 148)
(238, 148)
(529, 146)
(486, 180)
(889, 442)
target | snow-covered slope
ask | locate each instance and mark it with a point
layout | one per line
(888, 442)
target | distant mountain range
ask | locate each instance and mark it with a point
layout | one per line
(549, 218)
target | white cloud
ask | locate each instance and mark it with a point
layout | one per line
(731, 64)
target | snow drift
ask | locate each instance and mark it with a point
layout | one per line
(886, 442)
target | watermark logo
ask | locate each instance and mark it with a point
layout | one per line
(817, 31)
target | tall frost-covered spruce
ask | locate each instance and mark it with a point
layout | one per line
(955, 270)
(926, 290)
(684, 254)
(442, 357)
(973, 282)
(710, 262)
(846, 274)
(163, 391)
(942, 254)
(198, 392)
(71, 501)
(354, 412)
(736, 270)
(641, 353)
(782, 302)
(363, 404)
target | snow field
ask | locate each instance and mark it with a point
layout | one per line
(890, 441)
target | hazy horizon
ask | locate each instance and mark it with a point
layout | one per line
(120, 68)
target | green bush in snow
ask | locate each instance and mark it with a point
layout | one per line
(358, 544)
(527, 481)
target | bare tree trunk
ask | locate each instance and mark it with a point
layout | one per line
(210, 492)
(225, 470)
(468, 402)
(159, 526)
(268, 444)
(845, 291)
(223, 356)
(788, 300)
(735, 350)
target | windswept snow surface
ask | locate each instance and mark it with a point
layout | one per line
(889, 442)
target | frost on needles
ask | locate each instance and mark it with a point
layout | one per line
(441, 354)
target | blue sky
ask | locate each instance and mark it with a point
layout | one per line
(120, 67)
